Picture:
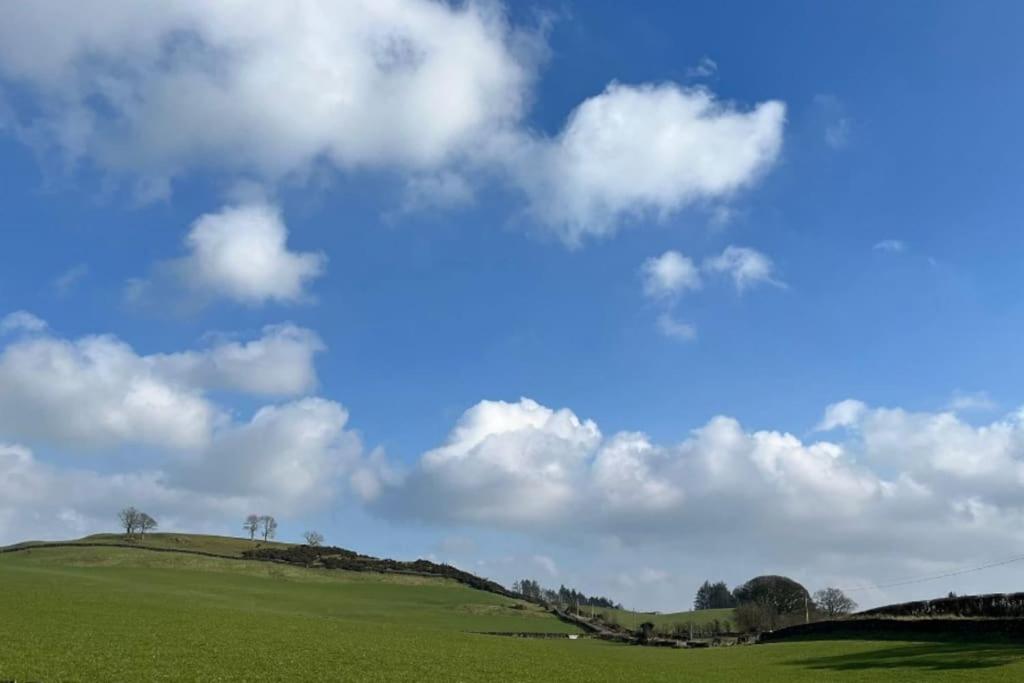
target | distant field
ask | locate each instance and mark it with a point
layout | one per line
(122, 614)
(629, 618)
(218, 545)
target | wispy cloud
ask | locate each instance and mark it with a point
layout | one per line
(891, 246)
(972, 402)
(705, 68)
(675, 329)
(838, 124)
(69, 279)
(747, 267)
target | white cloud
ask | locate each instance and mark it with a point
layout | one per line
(279, 363)
(97, 392)
(239, 253)
(439, 190)
(646, 149)
(899, 480)
(675, 329)
(890, 246)
(842, 414)
(669, 275)
(288, 459)
(43, 501)
(192, 463)
(64, 283)
(21, 321)
(706, 68)
(433, 90)
(967, 402)
(294, 454)
(747, 267)
(399, 82)
(498, 456)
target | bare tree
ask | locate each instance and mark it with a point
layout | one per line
(252, 525)
(145, 523)
(834, 602)
(268, 525)
(129, 518)
(313, 538)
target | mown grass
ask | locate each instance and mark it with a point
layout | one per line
(120, 614)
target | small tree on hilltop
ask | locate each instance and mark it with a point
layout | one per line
(834, 602)
(252, 525)
(146, 523)
(129, 518)
(313, 538)
(268, 525)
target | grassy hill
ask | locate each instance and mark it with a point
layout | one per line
(665, 621)
(109, 613)
(217, 545)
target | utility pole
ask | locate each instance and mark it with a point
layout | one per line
(807, 611)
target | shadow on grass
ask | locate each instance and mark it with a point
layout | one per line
(920, 657)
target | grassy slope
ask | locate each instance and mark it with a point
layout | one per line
(119, 614)
(667, 620)
(219, 545)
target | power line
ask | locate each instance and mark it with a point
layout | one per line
(936, 577)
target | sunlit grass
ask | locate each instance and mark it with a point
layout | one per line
(119, 614)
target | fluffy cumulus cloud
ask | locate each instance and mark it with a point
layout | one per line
(97, 391)
(890, 484)
(428, 88)
(636, 150)
(499, 455)
(239, 253)
(359, 83)
(196, 464)
(295, 454)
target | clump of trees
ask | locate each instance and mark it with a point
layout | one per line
(714, 596)
(766, 603)
(135, 521)
(568, 598)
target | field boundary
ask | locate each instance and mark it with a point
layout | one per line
(132, 546)
(903, 629)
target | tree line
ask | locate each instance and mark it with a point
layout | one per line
(769, 602)
(566, 597)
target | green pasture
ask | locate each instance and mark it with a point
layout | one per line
(112, 614)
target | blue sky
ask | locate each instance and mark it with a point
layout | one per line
(424, 271)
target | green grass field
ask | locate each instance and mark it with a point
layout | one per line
(665, 621)
(115, 614)
(219, 545)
